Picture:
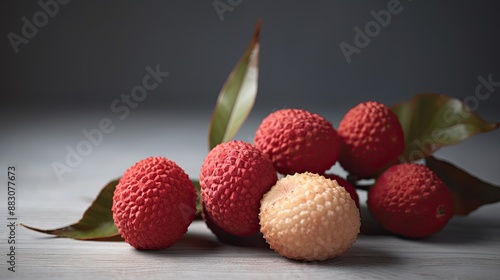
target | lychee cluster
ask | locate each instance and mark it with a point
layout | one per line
(307, 214)
(368, 142)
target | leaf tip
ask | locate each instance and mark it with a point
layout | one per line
(257, 28)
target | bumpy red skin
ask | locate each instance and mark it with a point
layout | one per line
(254, 240)
(347, 186)
(153, 204)
(234, 177)
(372, 138)
(298, 141)
(410, 200)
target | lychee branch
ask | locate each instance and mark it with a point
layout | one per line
(363, 187)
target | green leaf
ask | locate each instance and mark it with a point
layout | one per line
(197, 186)
(237, 96)
(469, 192)
(431, 121)
(96, 223)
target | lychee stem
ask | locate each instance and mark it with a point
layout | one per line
(351, 178)
(363, 187)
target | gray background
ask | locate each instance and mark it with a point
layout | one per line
(92, 51)
(65, 78)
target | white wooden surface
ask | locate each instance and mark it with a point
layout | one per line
(468, 248)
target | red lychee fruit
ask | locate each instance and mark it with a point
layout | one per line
(298, 141)
(411, 200)
(348, 186)
(154, 203)
(372, 138)
(233, 178)
(253, 241)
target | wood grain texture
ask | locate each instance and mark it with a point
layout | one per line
(468, 248)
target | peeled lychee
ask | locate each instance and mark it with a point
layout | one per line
(411, 200)
(306, 216)
(298, 141)
(372, 138)
(153, 204)
(233, 178)
(347, 186)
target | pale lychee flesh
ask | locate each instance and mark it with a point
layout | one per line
(309, 217)
(348, 186)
